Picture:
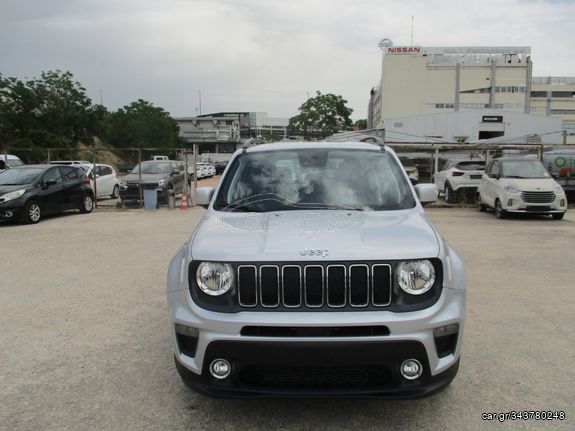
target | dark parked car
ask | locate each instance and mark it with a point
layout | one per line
(163, 175)
(29, 192)
(220, 167)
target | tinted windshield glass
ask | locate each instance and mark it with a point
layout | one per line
(315, 179)
(19, 176)
(153, 168)
(523, 169)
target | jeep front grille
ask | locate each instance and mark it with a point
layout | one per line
(538, 197)
(314, 285)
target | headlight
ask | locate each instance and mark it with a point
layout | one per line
(215, 279)
(510, 188)
(123, 183)
(558, 189)
(161, 182)
(12, 195)
(415, 277)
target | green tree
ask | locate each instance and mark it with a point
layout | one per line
(360, 125)
(50, 111)
(321, 116)
(141, 124)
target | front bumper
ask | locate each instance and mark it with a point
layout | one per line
(331, 369)
(513, 203)
(410, 336)
(12, 210)
(132, 193)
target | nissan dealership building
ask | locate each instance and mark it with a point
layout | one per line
(469, 94)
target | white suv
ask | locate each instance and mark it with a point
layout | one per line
(519, 185)
(316, 272)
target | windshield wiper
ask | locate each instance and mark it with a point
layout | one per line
(514, 176)
(244, 208)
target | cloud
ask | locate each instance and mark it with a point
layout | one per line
(256, 55)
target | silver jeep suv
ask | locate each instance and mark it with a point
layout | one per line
(315, 272)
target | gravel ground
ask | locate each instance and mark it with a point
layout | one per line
(84, 340)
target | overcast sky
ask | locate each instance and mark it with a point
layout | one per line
(259, 55)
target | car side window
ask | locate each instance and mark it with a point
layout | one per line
(104, 170)
(69, 173)
(495, 169)
(53, 174)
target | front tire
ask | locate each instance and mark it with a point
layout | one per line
(116, 192)
(32, 213)
(499, 211)
(87, 204)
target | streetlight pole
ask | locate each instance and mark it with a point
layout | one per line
(200, 100)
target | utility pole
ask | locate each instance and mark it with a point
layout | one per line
(200, 100)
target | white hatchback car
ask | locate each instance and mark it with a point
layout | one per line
(520, 185)
(459, 175)
(106, 180)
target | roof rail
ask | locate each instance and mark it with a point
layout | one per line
(373, 140)
(252, 142)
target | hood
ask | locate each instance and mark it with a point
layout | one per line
(329, 235)
(531, 184)
(146, 178)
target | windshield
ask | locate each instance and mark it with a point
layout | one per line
(315, 179)
(523, 169)
(471, 166)
(153, 168)
(15, 177)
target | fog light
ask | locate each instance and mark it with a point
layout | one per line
(443, 331)
(510, 202)
(562, 202)
(220, 368)
(8, 214)
(411, 369)
(186, 330)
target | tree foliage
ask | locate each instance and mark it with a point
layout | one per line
(321, 116)
(360, 124)
(141, 124)
(50, 111)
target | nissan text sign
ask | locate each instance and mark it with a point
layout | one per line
(404, 50)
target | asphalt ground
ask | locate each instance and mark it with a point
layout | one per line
(84, 331)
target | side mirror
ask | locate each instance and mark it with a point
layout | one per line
(49, 183)
(204, 196)
(176, 172)
(426, 193)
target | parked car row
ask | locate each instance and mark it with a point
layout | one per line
(205, 170)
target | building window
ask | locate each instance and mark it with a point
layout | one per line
(490, 134)
(569, 128)
(563, 111)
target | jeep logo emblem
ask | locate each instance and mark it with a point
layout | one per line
(314, 252)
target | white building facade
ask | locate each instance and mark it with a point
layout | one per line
(422, 82)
